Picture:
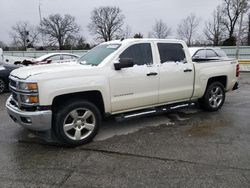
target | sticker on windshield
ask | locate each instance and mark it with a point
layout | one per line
(113, 46)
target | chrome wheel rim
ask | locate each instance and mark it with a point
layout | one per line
(79, 124)
(2, 86)
(216, 97)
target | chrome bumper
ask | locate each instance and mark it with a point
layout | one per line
(37, 121)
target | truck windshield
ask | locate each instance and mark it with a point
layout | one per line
(98, 54)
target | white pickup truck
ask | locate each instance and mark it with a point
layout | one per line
(126, 78)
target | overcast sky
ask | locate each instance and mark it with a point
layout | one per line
(140, 14)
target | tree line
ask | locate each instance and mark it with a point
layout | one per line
(107, 23)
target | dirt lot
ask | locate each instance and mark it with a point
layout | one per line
(188, 148)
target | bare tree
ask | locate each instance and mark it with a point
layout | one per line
(2, 44)
(214, 29)
(75, 42)
(243, 39)
(23, 34)
(59, 29)
(232, 10)
(187, 28)
(138, 35)
(160, 30)
(106, 22)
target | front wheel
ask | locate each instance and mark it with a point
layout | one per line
(213, 98)
(77, 122)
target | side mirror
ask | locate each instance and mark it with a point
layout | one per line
(124, 63)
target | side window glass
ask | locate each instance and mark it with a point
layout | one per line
(211, 53)
(54, 58)
(201, 54)
(65, 57)
(141, 53)
(170, 52)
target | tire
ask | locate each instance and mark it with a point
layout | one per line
(213, 98)
(70, 125)
(2, 86)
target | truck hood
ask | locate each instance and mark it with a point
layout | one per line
(25, 72)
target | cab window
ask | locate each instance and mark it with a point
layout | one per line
(141, 53)
(171, 52)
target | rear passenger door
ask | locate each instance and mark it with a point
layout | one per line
(136, 86)
(176, 75)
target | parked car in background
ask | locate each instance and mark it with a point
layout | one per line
(207, 53)
(49, 58)
(5, 70)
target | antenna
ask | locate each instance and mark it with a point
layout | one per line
(40, 16)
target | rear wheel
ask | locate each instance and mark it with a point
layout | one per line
(213, 98)
(77, 122)
(2, 86)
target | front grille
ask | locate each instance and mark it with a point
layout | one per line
(14, 103)
(13, 83)
(14, 95)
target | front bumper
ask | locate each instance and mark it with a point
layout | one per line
(37, 120)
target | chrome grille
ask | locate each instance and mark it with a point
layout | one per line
(13, 83)
(14, 95)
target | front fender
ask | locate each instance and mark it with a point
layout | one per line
(50, 89)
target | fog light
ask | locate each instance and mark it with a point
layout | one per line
(26, 120)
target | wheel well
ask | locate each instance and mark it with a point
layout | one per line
(221, 79)
(93, 96)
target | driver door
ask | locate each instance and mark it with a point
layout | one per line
(137, 86)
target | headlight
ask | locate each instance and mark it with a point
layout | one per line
(29, 99)
(28, 86)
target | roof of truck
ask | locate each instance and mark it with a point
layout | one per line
(131, 40)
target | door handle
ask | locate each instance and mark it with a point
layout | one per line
(188, 70)
(152, 74)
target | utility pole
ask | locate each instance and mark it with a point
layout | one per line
(39, 9)
(40, 17)
(240, 29)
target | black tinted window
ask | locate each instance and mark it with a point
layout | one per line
(140, 53)
(171, 52)
(211, 53)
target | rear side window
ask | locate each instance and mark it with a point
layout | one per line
(201, 54)
(68, 57)
(140, 53)
(55, 58)
(221, 53)
(170, 52)
(211, 53)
